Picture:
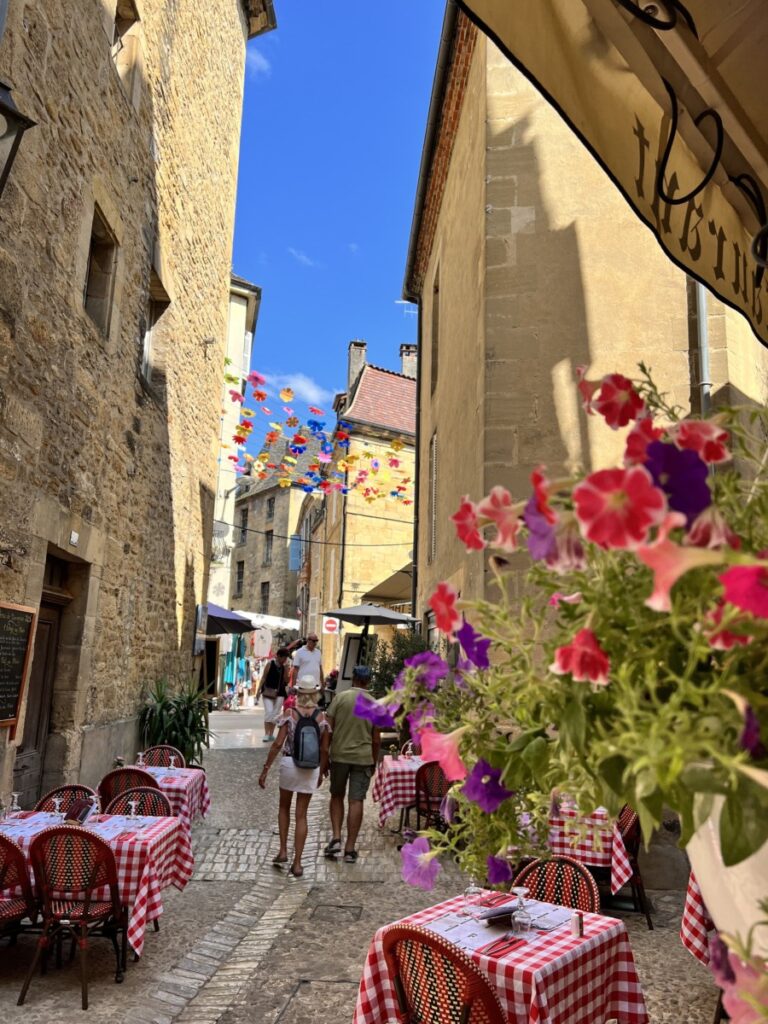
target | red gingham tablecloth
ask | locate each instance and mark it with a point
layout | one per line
(559, 979)
(157, 855)
(697, 926)
(600, 846)
(395, 785)
(186, 788)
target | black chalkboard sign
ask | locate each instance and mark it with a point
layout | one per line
(17, 635)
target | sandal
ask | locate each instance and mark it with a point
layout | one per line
(294, 873)
(333, 849)
(279, 862)
(350, 856)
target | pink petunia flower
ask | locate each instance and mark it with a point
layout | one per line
(558, 598)
(705, 437)
(617, 401)
(567, 554)
(467, 525)
(745, 999)
(437, 746)
(617, 507)
(587, 388)
(541, 487)
(583, 659)
(746, 587)
(670, 561)
(443, 604)
(499, 509)
(420, 865)
(638, 439)
(710, 530)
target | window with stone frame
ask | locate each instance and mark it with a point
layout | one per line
(434, 356)
(152, 349)
(125, 46)
(267, 559)
(270, 508)
(99, 289)
(243, 537)
(264, 599)
(239, 579)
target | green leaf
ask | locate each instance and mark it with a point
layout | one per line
(699, 778)
(536, 755)
(612, 771)
(573, 724)
(743, 826)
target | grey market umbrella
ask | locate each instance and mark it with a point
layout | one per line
(366, 615)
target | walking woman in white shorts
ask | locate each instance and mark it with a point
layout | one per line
(301, 781)
(273, 689)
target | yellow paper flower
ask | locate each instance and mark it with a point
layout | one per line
(286, 395)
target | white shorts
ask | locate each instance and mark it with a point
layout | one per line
(273, 706)
(297, 780)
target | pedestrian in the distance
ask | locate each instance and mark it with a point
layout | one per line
(273, 687)
(302, 745)
(354, 754)
(307, 661)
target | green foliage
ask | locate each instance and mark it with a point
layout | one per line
(389, 658)
(179, 718)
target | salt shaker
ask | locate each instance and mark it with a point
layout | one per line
(577, 923)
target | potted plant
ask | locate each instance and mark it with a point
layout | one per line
(634, 669)
(179, 718)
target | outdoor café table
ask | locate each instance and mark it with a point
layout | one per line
(150, 853)
(395, 784)
(697, 926)
(186, 788)
(599, 843)
(553, 977)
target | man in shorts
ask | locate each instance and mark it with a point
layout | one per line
(354, 755)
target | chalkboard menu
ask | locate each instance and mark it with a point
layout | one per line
(17, 635)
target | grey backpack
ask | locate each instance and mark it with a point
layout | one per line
(306, 741)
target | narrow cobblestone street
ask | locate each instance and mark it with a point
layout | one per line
(245, 943)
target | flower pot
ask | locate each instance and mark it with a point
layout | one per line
(731, 894)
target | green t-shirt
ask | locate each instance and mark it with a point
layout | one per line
(351, 742)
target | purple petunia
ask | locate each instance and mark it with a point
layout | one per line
(682, 475)
(379, 715)
(483, 787)
(541, 533)
(420, 866)
(719, 962)
(430, 667)
(750, 737)
(475, 645)
(420, 717)
(499, 870)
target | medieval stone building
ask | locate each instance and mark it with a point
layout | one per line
(116, 232)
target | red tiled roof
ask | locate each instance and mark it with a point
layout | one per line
(384, 398)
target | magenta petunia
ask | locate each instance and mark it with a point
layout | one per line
(483, 787)
(475, 645)
(379, 715)
(746, 587)
(430, 666)
(499, 871)
(420, 866)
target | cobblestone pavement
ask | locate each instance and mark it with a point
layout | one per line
(244, 943)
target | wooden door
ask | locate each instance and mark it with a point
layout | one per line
(30, 756)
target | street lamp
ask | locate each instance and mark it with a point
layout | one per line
(13, 124)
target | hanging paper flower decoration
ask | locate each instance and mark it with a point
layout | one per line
(286, 394)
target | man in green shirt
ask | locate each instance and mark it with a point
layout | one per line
(354, 755)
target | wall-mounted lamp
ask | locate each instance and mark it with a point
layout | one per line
(13, 124)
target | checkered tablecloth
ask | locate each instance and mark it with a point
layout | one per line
(557, 978)
(697, 926)
(186, 788)
(395, 784)
(150, 853)
(593, 839)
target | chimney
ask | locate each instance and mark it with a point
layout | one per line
(408, 360)
(357, 351)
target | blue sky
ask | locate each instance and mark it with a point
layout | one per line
(335, 109)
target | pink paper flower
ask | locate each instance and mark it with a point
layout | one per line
(498, 508)
(617, 401)
(670, 561)
(236, 396)
(640, 436)
(617, 507)
(256, 379)
(583, 659)
(746, 587)
(710, 530)
(436, 746)
(443, 604)
(705, 437)
(467, 526)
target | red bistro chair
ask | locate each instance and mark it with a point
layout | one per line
(431, 787)
(150, 802)
(117, 781)
(561, 880)
(14, 874)
(67, 794)
(160, 756)
(70, 866)
(436, 982)
(629, 826)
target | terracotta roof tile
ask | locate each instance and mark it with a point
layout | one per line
(385, 398)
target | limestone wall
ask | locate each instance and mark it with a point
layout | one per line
(85, 446)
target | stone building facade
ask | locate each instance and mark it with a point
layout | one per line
(526, 263)
(115, 246)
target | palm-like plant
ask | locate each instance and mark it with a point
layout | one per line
(178, 718)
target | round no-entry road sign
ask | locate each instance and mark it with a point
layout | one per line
(330, 625)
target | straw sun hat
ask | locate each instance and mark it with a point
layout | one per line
(307, 684)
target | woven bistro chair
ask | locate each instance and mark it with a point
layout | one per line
(67, 794)
(150, 802)
(117, 781)
(560, 880)
(431, 787)
(14, 874)
(436, 982)
(70, 866)
(160, 756)
(629, 827)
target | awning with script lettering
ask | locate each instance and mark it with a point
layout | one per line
(672, 100)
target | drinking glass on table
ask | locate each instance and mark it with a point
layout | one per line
(15, 805)
(57, 807)
(132, 805)
(172, 761)
(521, 919)
(472, 896)
(140, 759)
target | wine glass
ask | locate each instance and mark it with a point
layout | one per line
(15, 805)
(472, 896)
(172, 761)
(57, 807)
(521, 919)
(140, 759)
(132, 805)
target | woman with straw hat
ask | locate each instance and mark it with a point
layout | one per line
(294, 778)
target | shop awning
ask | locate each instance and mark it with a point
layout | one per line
(670, 98)
(221, 620)
(396, 589)
(270, 621)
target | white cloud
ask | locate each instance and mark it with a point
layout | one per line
(301, 257)
(256, 63)
(303, 387)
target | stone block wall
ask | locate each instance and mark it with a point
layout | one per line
(86, 446)
(281, 579)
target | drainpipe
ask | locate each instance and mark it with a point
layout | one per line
(702, 338)
(417, 461)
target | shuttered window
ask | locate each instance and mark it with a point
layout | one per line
(432, 500)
